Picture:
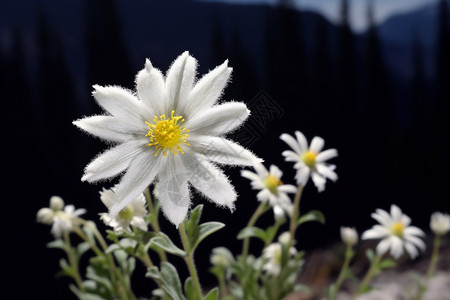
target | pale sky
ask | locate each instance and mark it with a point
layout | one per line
(383, 9)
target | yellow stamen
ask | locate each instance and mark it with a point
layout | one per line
(309, 158)
(397, 228)
(272, 182)
(167, 134)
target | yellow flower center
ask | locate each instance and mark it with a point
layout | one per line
(127, 213)
(397, 228)
(167, 134)
(309, 158)
(272, 182)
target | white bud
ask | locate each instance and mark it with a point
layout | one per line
(440, 223)
(56, 203)
(349, 236)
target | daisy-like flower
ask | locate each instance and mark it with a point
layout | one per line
(273, 255)
(171, 130)
(132, 214)
(62, 218)
(349, 235)
(271, 188)
(310, 161)
(395, 232)
(440, 223)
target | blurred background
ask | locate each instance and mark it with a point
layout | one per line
(370, 77)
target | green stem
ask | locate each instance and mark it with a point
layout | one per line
(93, 246)
(368, 277)
(154, 222)
(72, 261)
(342, 274)
(431, 267)
(189, 259)
(294, 216)
(277, 225)
(262, 208)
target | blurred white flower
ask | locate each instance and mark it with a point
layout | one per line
(310, 161)
(132, 214)
(62, 218)
(171, 130)
(395, 232)
(271, 188)
(349, 235)
(221, 257)
(440, 223)
(273, 255)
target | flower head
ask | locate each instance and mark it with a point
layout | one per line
(171, 131)
(271, 188)
(62, 218)
(349, 236)
(310, 160)
(132, 214)
(440, 223)
(273, 255)
(395, 232)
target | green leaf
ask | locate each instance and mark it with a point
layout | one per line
(387, 263)
(153, 272)
(212, 295)
(171, 282)
(66, 268)
(189, 289)
(313, 215)
(370, 255)
(252, 232)
(163, 241)
(58, 244)
(82, 248)
(205, 230)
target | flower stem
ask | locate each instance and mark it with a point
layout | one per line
(258, 212)
(343, 273)
(431, 267)
(189, 259)
(154, 222)
(294, 216)
(368, 277)
(72, 261)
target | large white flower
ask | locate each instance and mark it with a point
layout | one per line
(171, 130)
(132, 214)
(271, 188)
(310, 161)
(395, 232)
(62, 218)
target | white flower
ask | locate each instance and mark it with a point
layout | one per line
(132, 214)
(395, 232)
(171, 130)
(271, 188)
(440, 223)
(310, 161)
(349, 236)
(273, 255)
(61, 220)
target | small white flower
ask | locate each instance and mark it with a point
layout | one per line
(171, 131)
(132, 214)
(310, 161)
(440, 223)
(349, 236)
(395, 232)
(62, 218)
(273, 254)
(271, 188)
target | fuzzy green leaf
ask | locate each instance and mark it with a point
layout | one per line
(189, 289)
(252, 232)
(313, 215)
(212, 294)
(58, 244)
(205, 230)
(163, 241)
(171, 282)
(387, 263)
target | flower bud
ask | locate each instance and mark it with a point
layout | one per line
(56, 203)
(349, 236)
(440, 223)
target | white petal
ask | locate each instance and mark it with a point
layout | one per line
(275, 171)
(302, 142)
(287, 188)
(396, 246)
(263, 195)
(290, 155)
(316, 144)
(375, 233)
(412, 230)
(382, 217)
(412, 251)
(250, 175)
(139, 222)
(121, 103)
(416, 241)
(113, 161)
(288, 139)
(396, 213)
(211, 182)
(219, 119)
(383, 246)
(261, 171)
(150, 89)
(319, 181)
(208, 89)
(326, 155)
(223, 151)
(179, 81)
(110, 128)
(302, 175)
(326, 171)
(140, 174)
(173, 187)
